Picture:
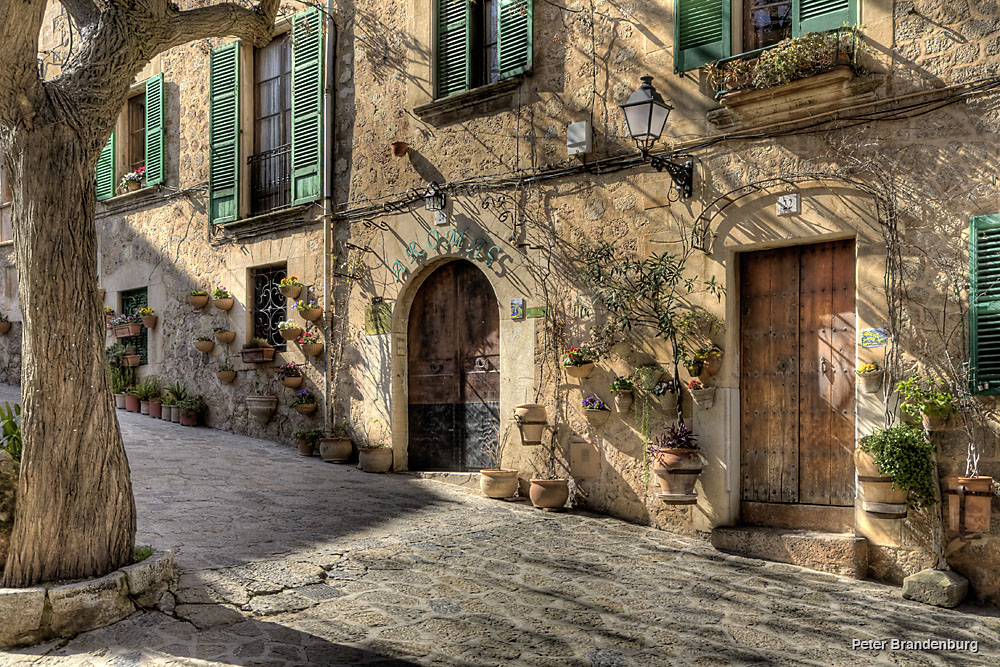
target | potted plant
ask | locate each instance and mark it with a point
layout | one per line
(290, 287)
(677, 465)
(256, 351)
(309, 310)
(924, 397)
(156, 404)
(870, 377)
(970, 500)
(222, 298)
(705, 361)
(178, 393)
(224, 336)
(132, 359)
(109, 314)
(667, 392)
(167, 403)
(198, 298)
(704, 397)
(595, 410)
(191, 408)
(225, 373)
(290, 375)
(204, 344)
(579, 362)
(304, 402)
(5, 324)
(622, 387)
(262, 407)
(307, 440)
(148, 317)
(648, 376)
(126, 326)
(120, 377)
(375, 457)
(131, 400)
(531, 420)
(894, 463)
(289, 330)
(336, 447)
(132, 181)
(147, 389)
(496, 481)
(311, 343)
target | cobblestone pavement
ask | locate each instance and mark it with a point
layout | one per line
(286, 560)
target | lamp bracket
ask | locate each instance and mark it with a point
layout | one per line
(681, 173)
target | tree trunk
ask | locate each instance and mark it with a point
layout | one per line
(75, 514)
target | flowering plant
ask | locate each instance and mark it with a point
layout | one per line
(663, 387)
(305, 305)
(593, 403)
(677, 436)
(225, 366)
(108, 310)
(221, 292)
(204, 338)
(198, 292)
(309, 338)
(289, 370)
(145, 312)
(578, 356)
(132, 177)
(622, 384)
(122, 320)
(864, 369)
(303, 397)
(290, 281)
(220, 330)
(285, 325)
(695, 385)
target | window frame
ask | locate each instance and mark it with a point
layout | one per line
(282, 150)
(280, 303)
(6, 205)
(131, 138)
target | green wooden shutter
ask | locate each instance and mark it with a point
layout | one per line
(154, 130)
(224, 133)
(105, 176)
(701, 32)
(984, 304)
(454, 68)
(514, 37)
(822, 15)
(307, 106)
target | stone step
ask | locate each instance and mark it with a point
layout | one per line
(836, 553)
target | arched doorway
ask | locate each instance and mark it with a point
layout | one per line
(454, 370)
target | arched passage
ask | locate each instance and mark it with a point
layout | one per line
(453, 341)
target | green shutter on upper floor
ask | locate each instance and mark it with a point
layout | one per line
(701, 32)
(307, 106)
(822, 15)
(984, 304)
(514, 32)
(154, 130)
(453, 66)
(224, 133)
(105, 172)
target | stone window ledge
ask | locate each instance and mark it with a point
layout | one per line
(470, 99)
(265, 219)
(142, 194)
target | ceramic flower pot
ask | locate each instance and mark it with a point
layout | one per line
(290, 291)
(549, 494)
(175, 414)
(677, 471)
(882, 499)
(498, 483)
(120, 401)
(262, 407)
(143, 407)
(189, 418)
(149, 321)
(713, 364)
(204, 345)
(133, 186)
(290, 334)
(292, 382)
(131, 403)
(165, 412)
(969, 504)
(375, 459)
(581, 371)
(311, 314)
(312, 349)
(623, 400)
(597, 417)
(198, 301)
(306, 408)
(225, 337)
(704, 397)
(531, 420)
(335, 450)
(871, 382)
(226, 377)
(223, 304)
(306, 448)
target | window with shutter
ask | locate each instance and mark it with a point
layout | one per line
(515, 37)
(984, 304)
(154, 131)
(224, 133)
(105, 175)
(270, 163)
(307, 106)
(822, 15)
(701, 32)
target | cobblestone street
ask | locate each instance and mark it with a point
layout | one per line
(285, 560)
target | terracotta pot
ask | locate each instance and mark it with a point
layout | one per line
(306, 408)
(934, 422)
(311, 314)
(155, 409)
(4, 327)
(175, 414)
(677, 472)
(531, 420)
(131, 403)
(306, 448)
(292, 382)
(223, 304)
(597, 417)
(871, 382)
(290, 334)
(399, 148)
(623, 400)
(498, 483)
(581, 371)
(257, 355)
(132, 359)
(189, 418)
(312, 349)
(226, 377)
(262, 407)
(550, 494)
(149, 321)
(704, 397)
(291, 291)
(121, 331)
(225, 337)
(881, 498)
(204, 345)
(198, 301)
(977, 507)
(144, 407)
(120, 401)
(134, 329)
(375, 459)
(335, 450)
(713, 364)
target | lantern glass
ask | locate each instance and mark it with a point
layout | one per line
(646, 114)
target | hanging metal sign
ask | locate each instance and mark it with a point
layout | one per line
(448, 241)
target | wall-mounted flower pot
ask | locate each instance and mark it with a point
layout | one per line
(306, 408)
(204, 345)
(131, 403)
(549, 494)
(292, 382)
(198, 301)
(143, 407)
(581, 371)
(335, 450)
(969, 504)
(882, 499)
(597, 417)
(306, 447)
(311, 314)
(677, 471)
(290, 334)
(648, 376)
(226, 377)
(668, 403)
(257, 355)
(399, 148)
(290, 291)
(871, 382)
(4, 328)
(155, 409)
(120, 401)
(132, 360)
(312, 349)
(375, 459)
(128, 330)
(149, 321)
(225, 337)
(223, 304)
(713, 364)
(623, 400)
(498, 483)
(704, 397)
(262, 407)
(189, 418)
(531, 420)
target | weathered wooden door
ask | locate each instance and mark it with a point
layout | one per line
(797, 385)
(454, 370)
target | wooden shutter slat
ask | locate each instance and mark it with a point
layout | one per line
(105, 172)
(515, 28)
(984, 304)
(307, 106)
(701, 32)
(452, 49)
(822, 15)
(224, 133)
(154, 130)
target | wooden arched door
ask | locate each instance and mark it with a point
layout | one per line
(454, 370)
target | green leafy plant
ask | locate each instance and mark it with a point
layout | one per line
(341, 429)
(225, 366)
(178, 392)
(148, 387)
(255, 343)
(220, 292)
(311, 435)
(192, 405)
(904, 453)
(922, 395)
(141, 553)
(198, 292)
(10, 426)
(675, 436)
(622, 384)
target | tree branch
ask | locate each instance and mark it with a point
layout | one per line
(83, 12)
(20, 84)
(221, 20)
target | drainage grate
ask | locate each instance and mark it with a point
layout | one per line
(319, 592)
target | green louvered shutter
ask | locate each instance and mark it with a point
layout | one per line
(454, 69)
(224, 133)
(822, 15)
(701, 32)
(154, 130)
(984, 304)
(307, 106)
(514, 37)
(105, 172)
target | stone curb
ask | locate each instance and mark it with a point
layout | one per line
(32, 615)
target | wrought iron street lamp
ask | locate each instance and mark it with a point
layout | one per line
(434, 197)
(646, 114)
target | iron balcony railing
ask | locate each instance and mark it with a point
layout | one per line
(271, 180)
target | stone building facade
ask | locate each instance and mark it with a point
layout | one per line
(878, 161)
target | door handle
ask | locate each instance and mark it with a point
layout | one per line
(824, 366)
